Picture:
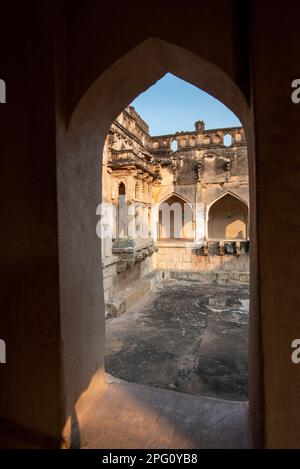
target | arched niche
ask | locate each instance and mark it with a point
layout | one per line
(228, 219)
(175, 219)
(122, 211)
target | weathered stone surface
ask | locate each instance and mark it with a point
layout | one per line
(116, 307)
(129, 415)
(186, 336)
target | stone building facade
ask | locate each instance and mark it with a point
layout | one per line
(173, 205)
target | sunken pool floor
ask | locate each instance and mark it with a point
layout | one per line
(185, 336)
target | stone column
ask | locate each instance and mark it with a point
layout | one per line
(138, 220)
(122, 217)
(144, 217)
(154, 221)
(131, 208)
(199, 222)
(106, 241)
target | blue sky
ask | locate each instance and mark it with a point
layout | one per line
(172, 105)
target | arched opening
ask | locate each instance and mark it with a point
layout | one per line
(90, 122)
(228, 219)
(174, 145)
(217, 138)
(238, 137)
(122, 211)
(227, 140)
(176, 180)
(175, 219)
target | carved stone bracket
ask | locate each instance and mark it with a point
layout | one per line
(132, 251)
(205, 248)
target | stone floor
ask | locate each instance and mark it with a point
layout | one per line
(185, 336)
(130, 415)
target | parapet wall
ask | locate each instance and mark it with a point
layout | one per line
(198, 138)
(184, 258)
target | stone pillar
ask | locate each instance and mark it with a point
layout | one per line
(149, 234)
(154, 221)
(131, 220)
(138, 220)
(122, 217)
(106, 241)
(144, 216)
(199, 222)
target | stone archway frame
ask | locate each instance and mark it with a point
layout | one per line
(166, 197)
(209, 206)
(170, 194)
(80, 143)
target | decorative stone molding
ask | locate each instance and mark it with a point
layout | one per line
(224, 248)
(205, 249)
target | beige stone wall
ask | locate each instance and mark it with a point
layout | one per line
(186, 258)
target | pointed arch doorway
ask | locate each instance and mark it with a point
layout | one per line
(228, 219)
(82, 302)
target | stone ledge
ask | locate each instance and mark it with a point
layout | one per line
(208, 276)
(107, 261)
(131, 251)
